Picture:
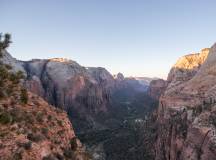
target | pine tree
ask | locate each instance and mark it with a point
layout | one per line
(4, 42)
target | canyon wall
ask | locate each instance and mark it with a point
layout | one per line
(30, 128)
(187, 110)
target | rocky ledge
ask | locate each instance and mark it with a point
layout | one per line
(187, 110)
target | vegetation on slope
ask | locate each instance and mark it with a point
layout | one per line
(31, 129)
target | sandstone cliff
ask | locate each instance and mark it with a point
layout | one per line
(186, 113)
(31, 129)
(82, 92)
(156, 88)
(186, 67)
(102, 108)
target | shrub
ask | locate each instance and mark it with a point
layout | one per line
(49, 117)
(73, 143)
(212, 146)
(17, 156)
(9, 67)
(17, 115)
(3, 73)
(212, 119)
(9, 89)
(49, 157)
(26, 145)
(4, 43)
(2, 94)
(60, 123)
(44, 131)
(14, 78)
(3, 134)
(34, 137)
(24, 96)
(68, 153)
(39, 117)
(29, 118)
(5, 118)
(59, 156)
(61, 132)
(20, 75)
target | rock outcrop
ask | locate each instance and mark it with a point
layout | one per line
(156, 88)
(186, 67)
(36, 131)
(14, 63)
(31, 129)
(82, 92)
(186, 113)
(97, 103)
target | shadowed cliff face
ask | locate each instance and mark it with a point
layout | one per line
(83, 93)
(88, 95)
(29, 127)
(186, 113)
(106, 112)
(103, 110)
(156, 88)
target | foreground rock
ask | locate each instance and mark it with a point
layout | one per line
(36, 131)
(31, 129)
(187, 110)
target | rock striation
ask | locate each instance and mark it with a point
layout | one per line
(82, 92)
(186, 67)
(97, 103)
(156, 88)
(186, 114)
(31, 129)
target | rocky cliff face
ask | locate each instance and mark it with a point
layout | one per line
(36, 131)
(31, 129)
(85, 93)
(82, 92)
(9, 60)
(186, 67)
(105, 110)
(156, 88)
(186, 113)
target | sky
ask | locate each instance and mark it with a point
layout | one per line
(134, 37)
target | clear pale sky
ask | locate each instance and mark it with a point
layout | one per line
(135, 37)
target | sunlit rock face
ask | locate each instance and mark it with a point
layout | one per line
(82, 92)
(30, 128)
(186, 67)
(187, 110)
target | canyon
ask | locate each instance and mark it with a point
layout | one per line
(115, 117)
(186, 112)
(30, 128)
(98, 104)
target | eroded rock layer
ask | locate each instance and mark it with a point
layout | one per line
(31, 129)
(187, 110)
